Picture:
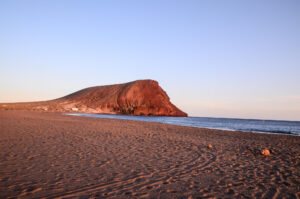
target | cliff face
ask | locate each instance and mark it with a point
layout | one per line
(141, 97)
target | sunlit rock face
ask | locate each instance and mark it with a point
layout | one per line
(141, 97)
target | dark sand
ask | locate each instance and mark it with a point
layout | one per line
(52, 155)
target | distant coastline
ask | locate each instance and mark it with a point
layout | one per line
(227, 124)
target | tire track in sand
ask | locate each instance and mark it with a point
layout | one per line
(144, 181)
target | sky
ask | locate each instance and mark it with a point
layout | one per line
(236, 59)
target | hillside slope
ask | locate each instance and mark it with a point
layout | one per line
(141, 97)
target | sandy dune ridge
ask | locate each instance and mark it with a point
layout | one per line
(52, 155)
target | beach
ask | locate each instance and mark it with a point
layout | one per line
(51, 155)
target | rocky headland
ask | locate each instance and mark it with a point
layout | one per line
(141, 97)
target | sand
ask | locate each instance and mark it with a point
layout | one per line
(52, 155)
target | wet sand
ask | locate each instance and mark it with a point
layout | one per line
(52, 155)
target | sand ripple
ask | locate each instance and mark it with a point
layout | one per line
(55, 156)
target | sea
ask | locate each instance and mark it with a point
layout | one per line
(230, 124)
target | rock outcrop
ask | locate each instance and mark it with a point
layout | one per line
(265, 152)
(141, 97)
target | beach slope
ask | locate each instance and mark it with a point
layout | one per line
(50, 155)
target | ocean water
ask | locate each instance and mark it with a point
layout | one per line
(246, 125)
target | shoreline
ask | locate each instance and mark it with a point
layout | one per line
(49, 155)
(222, 129)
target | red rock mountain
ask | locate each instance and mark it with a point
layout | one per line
(141, 97)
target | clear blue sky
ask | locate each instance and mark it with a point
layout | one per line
(214, 58)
